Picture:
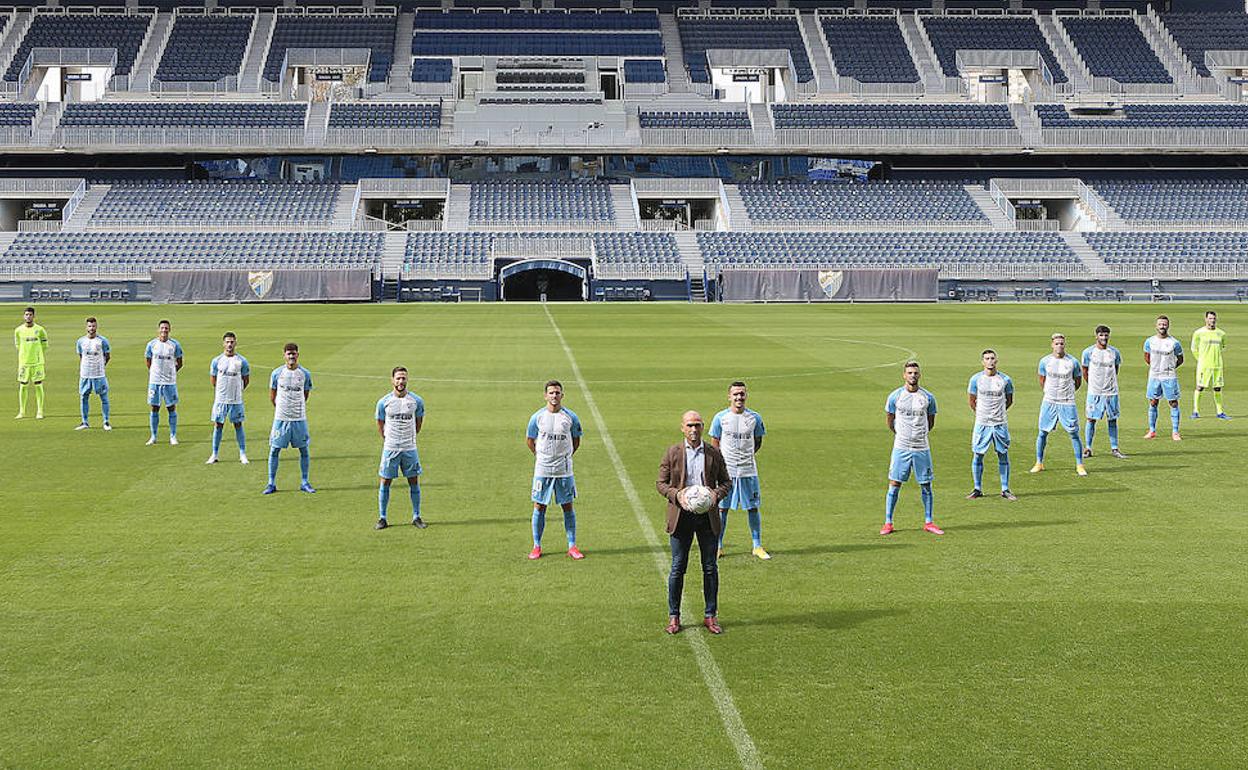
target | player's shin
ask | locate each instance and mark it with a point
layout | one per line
(539, 525)
(925, 491)
(305, 463)
(104, 407)
(383, 499)
(217, 430)
(241, 437)
(39, 398)
(86, 406)
(1091, 432)
(21, 398)
(1041, 441)
(413, 491)
(1003, 468)
(977, 470)
(569, 525)
(1196, 401)
(1152, 417)
(173, 424)
(1113, 434)
(890, 503)
(154, 422)
(273, 454)
(723, 526)
(1076, 443)
(756, 527)
(1217, 401)
(1174, 419)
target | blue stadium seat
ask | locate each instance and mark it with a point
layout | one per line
(363, 115)
(699, 34)
(892, 116)
(950, 33)
(1196, 33)
(869, 48)
(375, 32)
(860, 202)
(205, 48)
(1114, 47)
(125, 32)
(218, 201)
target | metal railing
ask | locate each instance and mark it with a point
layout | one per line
(1137, 138)
(970, 138)
(861, 226)
(155, 224)
(181, 137)
(1037, 225)
(520, 246)
(1034, 187)
(697, 137)
(405, 186)
(39, 225)
(48, 185)
(1002, 200)
(1188, 225)
(969, 270)
(1092, 200)
(226, 85)
(639, 270)
(382, 137)
(666, 187)
(544, 225)
(75, 200)
(465, 272)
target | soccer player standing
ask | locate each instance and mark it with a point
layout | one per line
(1100, 363)
(1060, 376)
(1208, 342)
(31, 341)
(230, 374)
(400, 416)
(553, 436)
(738, 433)
(94, 354)
(290, 386)
(1164, 355)
(911, 414)
(990, 393)
(164, 358)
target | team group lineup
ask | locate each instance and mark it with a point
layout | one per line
(723, 462)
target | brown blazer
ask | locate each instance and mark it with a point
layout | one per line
(672, 480)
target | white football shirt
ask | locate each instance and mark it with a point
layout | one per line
(553, 432)
(1060, 376)
(400, 416)
(990, 393)
(1102, 370)
(910, 412)
(164, 357)
(92, 350)
(290, 384)
(1163, 354)
(229, 371)
(736, 434)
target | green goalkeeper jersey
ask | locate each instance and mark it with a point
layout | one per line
(1207, 346)
(31, 342)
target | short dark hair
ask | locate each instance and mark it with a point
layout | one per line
(289, 347)
(1213, 313)
(397, 369)
(1160, 317)
(737, 384)
(910, 364)
(1102, 328)
(987, 351)
(163, 321)
(228, 335)
(552, 384)
(29, 310)
(91, 319)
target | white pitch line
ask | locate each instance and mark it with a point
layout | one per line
(734, 725)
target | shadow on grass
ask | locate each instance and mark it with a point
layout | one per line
(627, 550)
(1016, 524)
(828, 620)
(811, 550)
(481, 522)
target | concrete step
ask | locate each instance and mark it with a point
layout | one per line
(455, 215)
(820, 60)
(625, 207)
(924, 58)
(392, 253)
(1069, 59)
(998, 218)
(400, 78)
(1090, 259)
(677, 75)
(80, 219)
(737, 215)
(151, 51)
(257, 52)
(344, 208)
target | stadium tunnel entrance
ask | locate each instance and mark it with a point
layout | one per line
(555, 280)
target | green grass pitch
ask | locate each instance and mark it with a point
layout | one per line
(158, 612)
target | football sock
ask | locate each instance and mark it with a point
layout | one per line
(1113, 434)
(569, 525)
(413, 491)
(890, 503)
(539, 525)
(173, 424)
(39, 397)
(1091, 432)
(273, 452)
(241, 437)
(723, 526)
(154, 421)
(1003, 468)
(1152, 417)
(1217, 401)
(1196, 401)
(217, 430)
(1077, 444)
(977, 470)
(21, 399)
(383, 499)
(1174, 419)
(756, 527)
(1041, 441)
(925, 491)
(305, 463)
(104, 405)
(86, 407)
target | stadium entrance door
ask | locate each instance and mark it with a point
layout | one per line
(543, 279)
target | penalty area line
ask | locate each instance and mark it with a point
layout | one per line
(734, 725)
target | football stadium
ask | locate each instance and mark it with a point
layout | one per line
(855, 375)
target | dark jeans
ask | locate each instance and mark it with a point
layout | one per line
(688, 526)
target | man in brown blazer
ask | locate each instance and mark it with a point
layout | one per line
(690, 463)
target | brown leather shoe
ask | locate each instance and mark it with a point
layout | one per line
(673, 625)
(712, 625)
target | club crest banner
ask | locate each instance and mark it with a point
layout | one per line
(829, 285)
(261, 285)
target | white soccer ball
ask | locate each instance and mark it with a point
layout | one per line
(699, 499)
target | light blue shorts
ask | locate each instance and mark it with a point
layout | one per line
(743, 495)
(1167, 389)
(985, 437)
(1051, 414)
(562, 490)
(401, 462)
(224, 413)
(292, 433)
(1102, 408)
(159, 393)
(905, 460)
(96, 385)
